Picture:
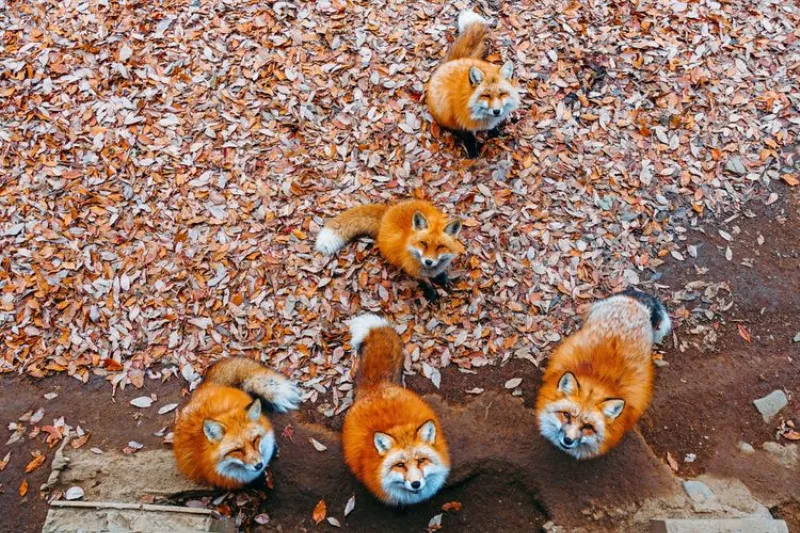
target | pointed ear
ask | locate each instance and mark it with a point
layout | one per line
(475, 75)
(427, 432)
(420, 222)
(613, 408)
(254, 410)
(383, 442)
(214, 430)
(568, 383)
(453, 228)
(507, 70)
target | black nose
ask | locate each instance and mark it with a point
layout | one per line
(428, 262)
(568, 441)
(496, 112)
(259, 466)
(415, 485)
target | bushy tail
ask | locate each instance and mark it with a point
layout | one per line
(256, 380)
(471, 40)
(380, 351)
(361, 220)
(659, 318)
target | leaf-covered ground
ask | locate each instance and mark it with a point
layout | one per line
(165, 167)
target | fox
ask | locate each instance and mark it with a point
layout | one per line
(599, 381)
(467, 94)
(221, 437)
(413, 235)
(392, 440)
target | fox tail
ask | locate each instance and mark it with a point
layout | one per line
(361, 220)
(471, 40)
(380, 350)
(659, 318)
(257, 380)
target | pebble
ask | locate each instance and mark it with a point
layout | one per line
(771, 404)
(746, 448)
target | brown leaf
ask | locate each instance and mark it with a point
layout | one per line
(5, 461)
(320, 511)
(80, 441)
(451, 506)
(792, 435)
(673, 464)
(743, 333)
(38, 459)
(790, 180)
(23, 488)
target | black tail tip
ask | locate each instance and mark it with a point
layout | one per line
(659, 318)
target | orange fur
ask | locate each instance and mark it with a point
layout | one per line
(384, 407)
(244, 437)
(395, 235)
(610, 360)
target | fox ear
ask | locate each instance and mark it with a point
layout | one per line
(613, 408)
(475, 75)
(419, 222)
(568, 383)
(427, 432)
(214, 430)
(507, 70)
(383, 442)
(453, 228)
(254, 410)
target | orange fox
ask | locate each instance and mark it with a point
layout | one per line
(221, 438)
(392, 439)
(467, 94)
(412, 235)
(600, 380)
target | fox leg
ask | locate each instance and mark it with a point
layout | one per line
(442, 280)
(470, 142)
(429, 291)
(496, 131)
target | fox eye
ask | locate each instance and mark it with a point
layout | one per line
(400, 465)
(422, 461)
(424, 244)
(567, 416)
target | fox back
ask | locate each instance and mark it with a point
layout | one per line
(222, 439)
(600, 380)
(419, 238)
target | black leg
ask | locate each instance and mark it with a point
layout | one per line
(429, 291)
(470, 142)
(442, 281)
(496, 131)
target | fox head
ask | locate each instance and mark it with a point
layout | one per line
(434, 242)
(242, 442)
(493, 96)
(411, 469)
(579, 416)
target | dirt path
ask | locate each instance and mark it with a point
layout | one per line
(503, 473)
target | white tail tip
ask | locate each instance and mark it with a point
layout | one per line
(361, 325)
(664, 327)
(329, 242)
(469, 17)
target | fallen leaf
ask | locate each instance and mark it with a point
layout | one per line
(80, 441)
(513, 383)
(5, 461)
(435, 523)
(332, 521)
(351, 504)
(791, 435)
(50, 395)
(317, 445)
(451, 506)
(476, 390)
(262, 519)
(38, 459)
(142, 402)
(74, 493)
(37, 416)
(23, 488)
(320, 511)
(164, 409)
(790, 180)
(743, 333)
(673, 464)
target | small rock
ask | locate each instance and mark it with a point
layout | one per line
(771, 404)
(746, 448)
(736, 166)
(796, 338)
(690, 458)
(703, 500)
(787, 455)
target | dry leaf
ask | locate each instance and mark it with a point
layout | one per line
(38, 460)
(142, 402)
(513, 383)
(320, 511)
(351, 504)
(317, 445)
(23, 488)
(451, 506)
(74, 493)
(743, 333)
(80, 441)
(673, 464)
(7, 458)
(164, 409)
(335, 523)
(262, 519)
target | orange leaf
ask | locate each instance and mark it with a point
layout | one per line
(5, 461)
(451, 506)
(23, 488)
(673, 464)
(791, 435)
(790, 180)
(36, 463)
(743, 333)
(320, 511)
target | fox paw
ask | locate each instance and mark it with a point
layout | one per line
(430, 293)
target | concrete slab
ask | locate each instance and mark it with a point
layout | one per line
(66, 517)
(733, 525)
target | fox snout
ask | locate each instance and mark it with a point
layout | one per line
(497, 112)
(428, 262)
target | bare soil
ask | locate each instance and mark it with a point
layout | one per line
(505, 477)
